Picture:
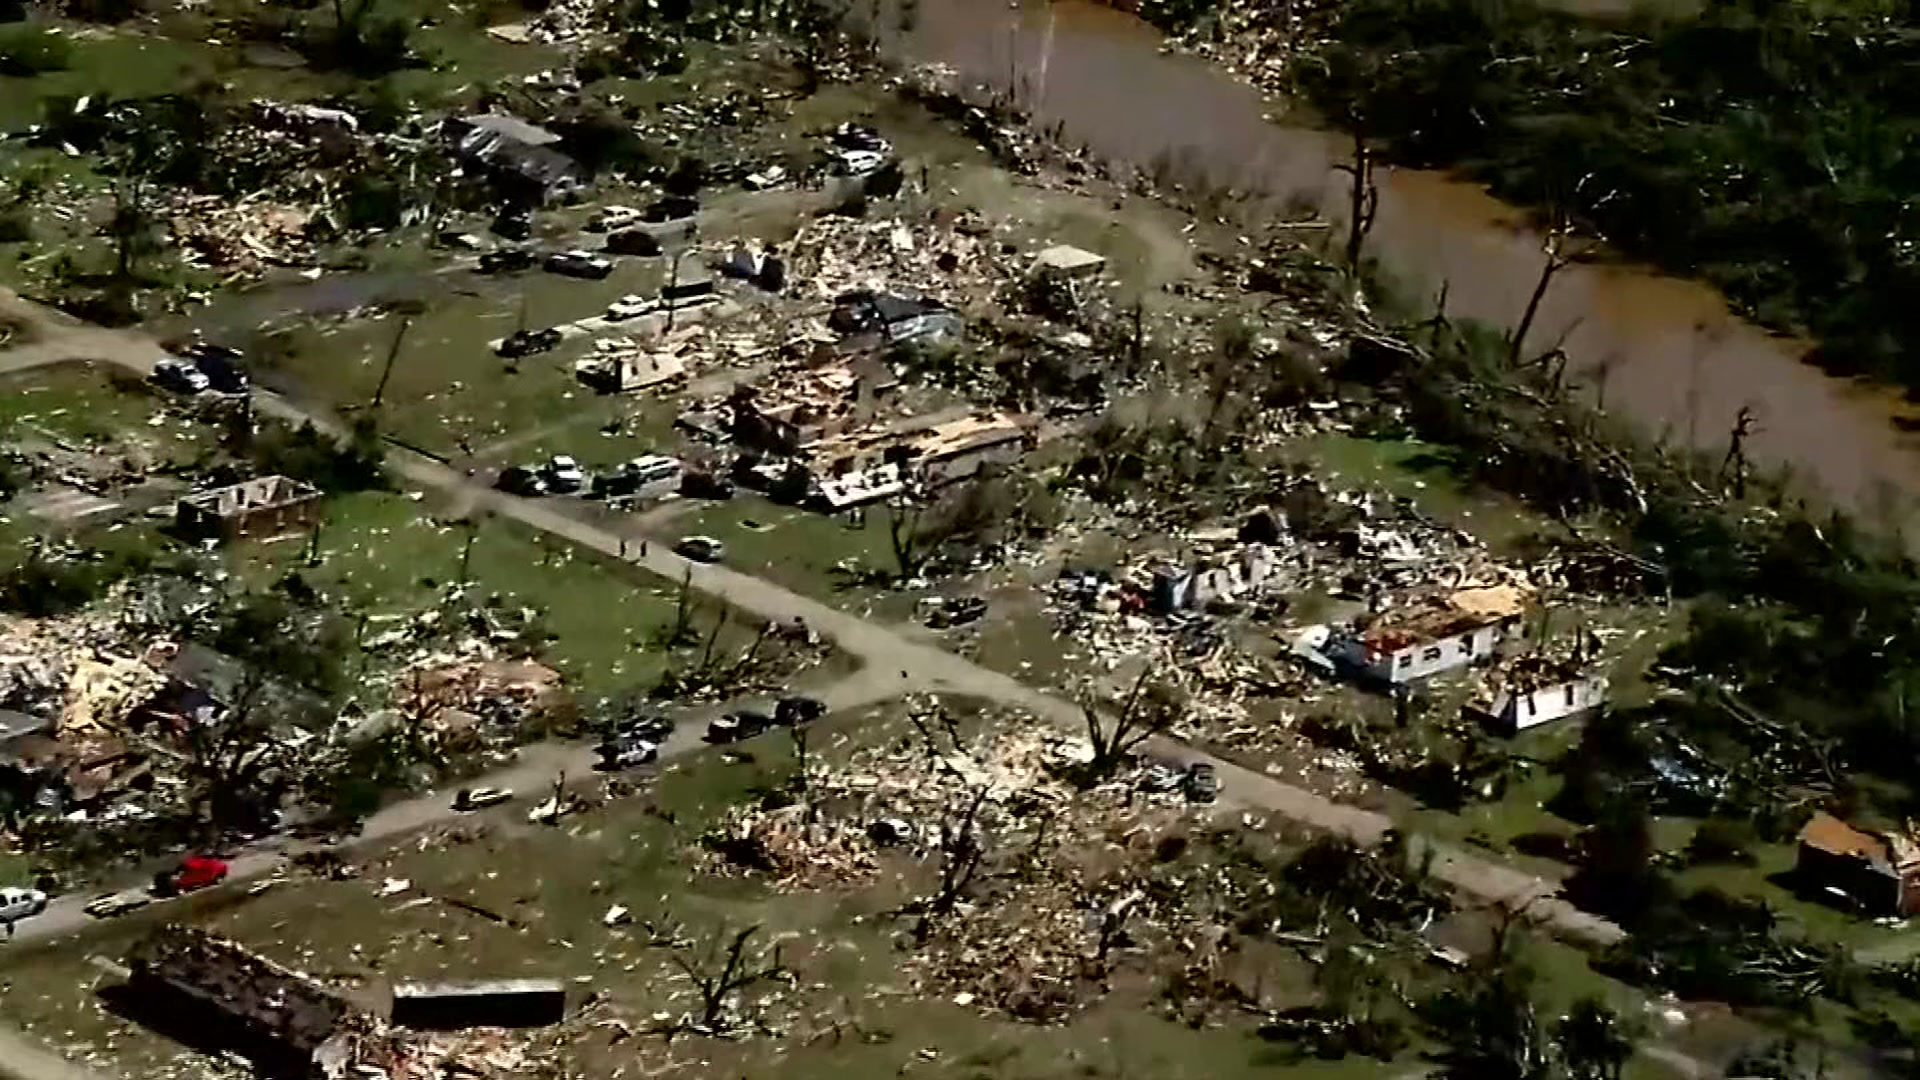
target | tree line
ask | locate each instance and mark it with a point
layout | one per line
(1769, 148)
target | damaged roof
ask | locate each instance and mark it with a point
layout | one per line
(1890, 851)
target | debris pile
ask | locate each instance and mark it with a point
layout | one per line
(1035, 887)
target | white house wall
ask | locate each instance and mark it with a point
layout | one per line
(1549, 703)
(1433, 657)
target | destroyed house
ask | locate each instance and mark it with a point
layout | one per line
(892, 317)
(1185, 587)
(284, 1022)
(1878, 871)
(1534, 691)
(931, 451)
(960, 448)
(263, 506)
(520, 158)
(1429, 636)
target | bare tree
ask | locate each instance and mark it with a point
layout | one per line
(917, 531)
(722, 966)
(232, 755)
(1735, 464)
(1150, 707)
(1561, 252)
(1363, 199)
(961, 852)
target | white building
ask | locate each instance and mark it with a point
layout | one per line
(1439, 634)
(1514, 704)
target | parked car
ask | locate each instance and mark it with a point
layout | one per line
(608, 218)
(858, 162)
(705, 485)
(670, 208)
(1203, 785)
(194, 872)
(743, 724)
(651, 728)
(521, 480)
(641, 243)
(220, 364)
(528, 342)
(701, 549)
(891, 831)
(580, 264)
(631, 476)
(223, 372)
(798, 710)
(771, 176)
(108, 905)
(180, 376)
(506, 261)
(628, 753)
(947, 611)
(479, 798)
(632, 306)
(17, 904)
(512, 226)
(563, 474)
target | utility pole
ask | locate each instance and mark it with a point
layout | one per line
(673, 283)
(393, 354)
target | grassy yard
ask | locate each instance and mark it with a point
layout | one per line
(606, 620)
(796, 548)
(94, 408)
(1416, 472)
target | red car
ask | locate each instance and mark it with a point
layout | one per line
(194, 872)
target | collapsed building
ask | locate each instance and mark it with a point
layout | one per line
(520, 158)
(261, 507)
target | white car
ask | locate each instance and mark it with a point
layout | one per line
(766, 178)
(180, 376)
(17, 904)
(858, 162)
(631, 306)
(608, 218)
(564, 474)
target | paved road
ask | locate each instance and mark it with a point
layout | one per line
(882, 650)
(530, 777)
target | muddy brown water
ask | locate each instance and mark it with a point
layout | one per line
(1675, 357)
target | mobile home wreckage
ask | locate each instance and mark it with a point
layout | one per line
(1434, 633)
(1880, 871)
(1536, 689)
(263, 506)
(284, 1022)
